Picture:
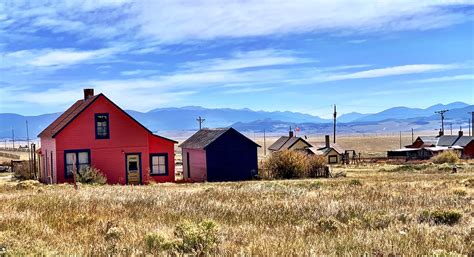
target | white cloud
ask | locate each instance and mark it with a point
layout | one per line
(444, 79)
(392, 71)
(249, 59)
(170, 21)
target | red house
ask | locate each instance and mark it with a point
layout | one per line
(95, 132)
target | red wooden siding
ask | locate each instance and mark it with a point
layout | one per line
(108, 155)
(197, 164)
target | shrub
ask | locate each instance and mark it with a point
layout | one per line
(330, 224)
(91, 176)
(316, 165)
(285, 165)
(22, 171)
(440, 217)
(446, 157)
(28, 184)
(460, 192)
(197, 238)
(355, 182)
(156, 243)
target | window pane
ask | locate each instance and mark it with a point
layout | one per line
(161, 160)
(83, 157)
(132, 166)
(162, 169)
(69, 170)
(70, 158)
(154, 160)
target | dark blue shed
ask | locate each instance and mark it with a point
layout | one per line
(219, 155)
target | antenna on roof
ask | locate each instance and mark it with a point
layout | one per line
(441, 113)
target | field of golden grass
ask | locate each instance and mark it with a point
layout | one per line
(375, 210)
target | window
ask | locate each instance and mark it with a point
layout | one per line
(102, 126)
(79, 159)
(159, 164)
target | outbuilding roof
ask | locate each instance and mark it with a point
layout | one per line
(334, 146)
(446, 140)
(205, 137)
(285, 143)
(463, 141)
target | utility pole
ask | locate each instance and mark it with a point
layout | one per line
(442, 112)
(334, 129)
(29, 149)
(471, 124)
(412, 136)
(200, 120)
(13, 137)
(400, 139)
(451, 125)
(264, 144)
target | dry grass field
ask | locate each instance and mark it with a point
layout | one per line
(375, 210)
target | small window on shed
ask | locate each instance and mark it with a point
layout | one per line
(102, 126)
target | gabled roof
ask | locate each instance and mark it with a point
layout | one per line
(336, 148)
(75, 110)
(205, 137)
(285, 143)
(66, 117)
(429, 140)
(446, 140)
(463, 140)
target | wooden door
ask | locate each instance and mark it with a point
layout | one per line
(133, 168)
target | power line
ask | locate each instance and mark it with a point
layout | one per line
(441, 113)
(200, 121)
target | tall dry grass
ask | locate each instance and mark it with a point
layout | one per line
(380, 216)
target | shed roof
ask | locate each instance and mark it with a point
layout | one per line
(205, 137)
(446, 140)
(285, 143)
(463, 140)
(334, 146)
(429, 140)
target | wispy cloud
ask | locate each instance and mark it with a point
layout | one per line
(177, 21)
(444, 79)
(249, 59)
(392, 71)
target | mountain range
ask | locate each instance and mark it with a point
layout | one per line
(184, 118)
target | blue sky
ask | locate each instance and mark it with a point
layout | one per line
(304, 56)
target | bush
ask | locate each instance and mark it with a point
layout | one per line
(91, 176)
(440, 217)
(355, 182)
(330, 224)
(316, 165)
(285, 165)
(157, 243)
(28, 184)
(22, 170)
(293, 164)
(197, 238)
(446, 157)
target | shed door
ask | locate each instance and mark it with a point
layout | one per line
(133, 169)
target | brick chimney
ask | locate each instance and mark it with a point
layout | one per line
(290, 133)
(461, 133)
(327, 141)
(88, 93)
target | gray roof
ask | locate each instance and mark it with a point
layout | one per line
(463, 141)
(446, 140)
(427, 140)
(205, 137)
(336, 148)
(285, 143)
